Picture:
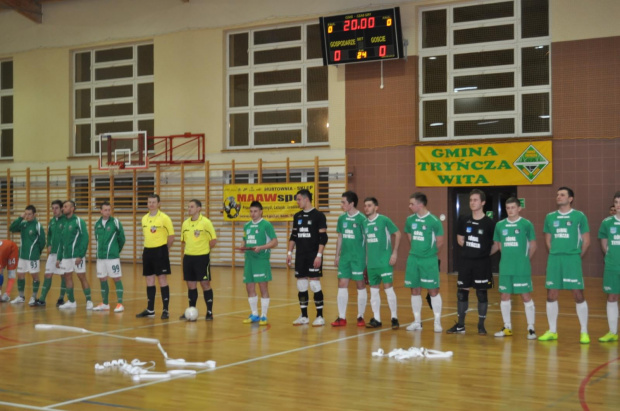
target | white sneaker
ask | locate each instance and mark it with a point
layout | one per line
(100, 307)
(89, 305)
(414, 327)
(32, 301)
(18, 300)
(318, 322)
(68, 305)
(301, 321)
(5, 298)
(119, 308)
(437, 327)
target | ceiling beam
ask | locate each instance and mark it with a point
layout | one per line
(28, 8)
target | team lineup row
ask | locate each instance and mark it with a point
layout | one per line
(367, 243)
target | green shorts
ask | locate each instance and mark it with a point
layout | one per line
(351, 269)
(256, 270)
(611, 281)
(422, 272)
(564, 272)
(515, 284)
(378, 274)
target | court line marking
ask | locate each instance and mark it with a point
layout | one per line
(248, 361)
(586, 381)
(17, 405)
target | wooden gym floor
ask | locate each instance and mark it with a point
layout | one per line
(286, 367)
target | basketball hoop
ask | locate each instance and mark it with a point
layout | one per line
(116, 165)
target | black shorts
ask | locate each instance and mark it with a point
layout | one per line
(476, 273)
(156, 261)
(304, 267)
(196, 268)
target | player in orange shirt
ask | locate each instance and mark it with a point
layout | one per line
(9, 253)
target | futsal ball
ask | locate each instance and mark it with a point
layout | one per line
(191, 314)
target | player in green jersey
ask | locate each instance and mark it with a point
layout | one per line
(516, 239)
(259, 238)
(609, 235)
(567, 237)
(350, 258)
(425, 234)
(381, 257)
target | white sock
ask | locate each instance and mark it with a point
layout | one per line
(343, 299)
(416, 306)
(437, 302)
(552, 316)
(264, 306)
(612, 316)
(505, 307)
(375, 303)
(530, 314)
(582, 313)
(362, 297)
(253, 304)
(391, 297)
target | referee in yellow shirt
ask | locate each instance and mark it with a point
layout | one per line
(197, 239)
(158, 239)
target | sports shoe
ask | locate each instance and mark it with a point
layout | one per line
(165, 315)
(373, 323)
(395, 324)
(119, 308)
(263, 321)
(5, 298)
(437, 326)
(60, 302)
(456, 329)
(39, 303)
(251, 319)
(482, 330)
(89, 305)
(318, 322)
(209, 316)
(18, 300)
(301, 321)
(531, 334)
(609, 337)
(100, 307)
(504, 332)
(414, 326)
(340, 322)
(584, 338)
(146, 313)
(361, 322)
(32, 301)
(548, 336)
(68, 305)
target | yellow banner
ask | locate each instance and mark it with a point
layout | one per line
(278, 200)
(498, 164)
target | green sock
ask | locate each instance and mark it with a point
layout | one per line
(63, 288)
(35, 287)
(119, 291)
(70, 294)
(87, 294)
(21, 286)
(47, 284)
(105, 291)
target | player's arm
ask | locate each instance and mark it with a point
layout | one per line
(409, 237)
(494, 248)
(121, 236)
(338, 247)
(548, 241)
(396, 243)
(604, 245)
(41, 238)
(16, 225)
(498, 245)
(83, 247)
(170, 228)
(440, 240)
(212, 243)
(291, 243)
(586, 243)
(318, 260)
(532, 248)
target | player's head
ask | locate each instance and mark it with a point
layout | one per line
(194, 207)
(57, 208)
(349, 200)
(513, 207)
(304, 198)
(612, 209)
(477, 199)
(106, 209)
(152, 202)
(616, 205)
(565, 196)
(29, 212)
(256, 210)
(371, 204)
(417, 201)
(68, 208)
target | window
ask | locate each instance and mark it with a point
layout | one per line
(6, 109)
(277, 88)
(113, 91)
(485, 70)
(123, 191)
